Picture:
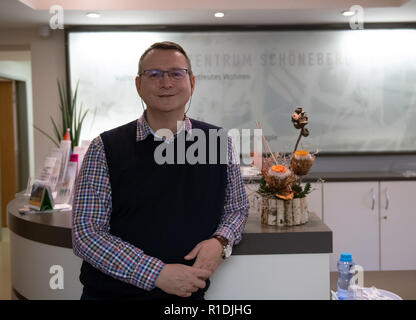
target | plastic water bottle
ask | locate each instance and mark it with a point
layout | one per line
(344, 265)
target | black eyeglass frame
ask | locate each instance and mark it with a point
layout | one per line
(166, 71)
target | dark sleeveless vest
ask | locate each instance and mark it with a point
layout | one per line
(165, 210)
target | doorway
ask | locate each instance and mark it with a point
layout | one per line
(14, 142)
(8, 155)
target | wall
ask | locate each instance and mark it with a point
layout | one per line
(47, 65)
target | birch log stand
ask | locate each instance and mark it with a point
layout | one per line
(276, 212)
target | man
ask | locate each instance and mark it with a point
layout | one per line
(151, 231)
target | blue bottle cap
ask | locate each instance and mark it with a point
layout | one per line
(346, 256)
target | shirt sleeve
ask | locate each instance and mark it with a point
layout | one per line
(91, 238)
(235, 212)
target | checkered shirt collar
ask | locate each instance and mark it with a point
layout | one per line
(143, 128)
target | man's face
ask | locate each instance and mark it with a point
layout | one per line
(165, 94)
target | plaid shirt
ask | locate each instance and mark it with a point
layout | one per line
(92, 205)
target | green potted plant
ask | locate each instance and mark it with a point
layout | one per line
(72, 118)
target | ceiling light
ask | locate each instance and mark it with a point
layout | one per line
(93, 15)
(348, 13)
(219, 14)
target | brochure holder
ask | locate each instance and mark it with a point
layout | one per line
(41, 197)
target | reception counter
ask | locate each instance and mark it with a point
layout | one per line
(269, 263)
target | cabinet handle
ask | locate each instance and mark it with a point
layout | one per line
(387, 199)
(374, 199)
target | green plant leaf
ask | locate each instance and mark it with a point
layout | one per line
(78, 129)
(71, 117)
(57, 133)
(299, 192)
(73, 100)
(68, 114)
(47, 135)
(63, 104)
(74, 124)
(307, 188)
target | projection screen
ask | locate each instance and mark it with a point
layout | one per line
(357, 86)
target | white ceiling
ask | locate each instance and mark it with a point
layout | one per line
(33, 13)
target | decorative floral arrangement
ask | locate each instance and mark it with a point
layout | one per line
(282, 177)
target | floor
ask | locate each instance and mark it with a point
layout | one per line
(402, 283)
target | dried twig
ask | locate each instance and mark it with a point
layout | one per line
(297, 142)
(266, 143)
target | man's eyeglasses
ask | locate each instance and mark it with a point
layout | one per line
(155, 74)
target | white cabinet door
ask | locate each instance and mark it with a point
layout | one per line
(314, 199)
(398, 225)
(351, 211)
